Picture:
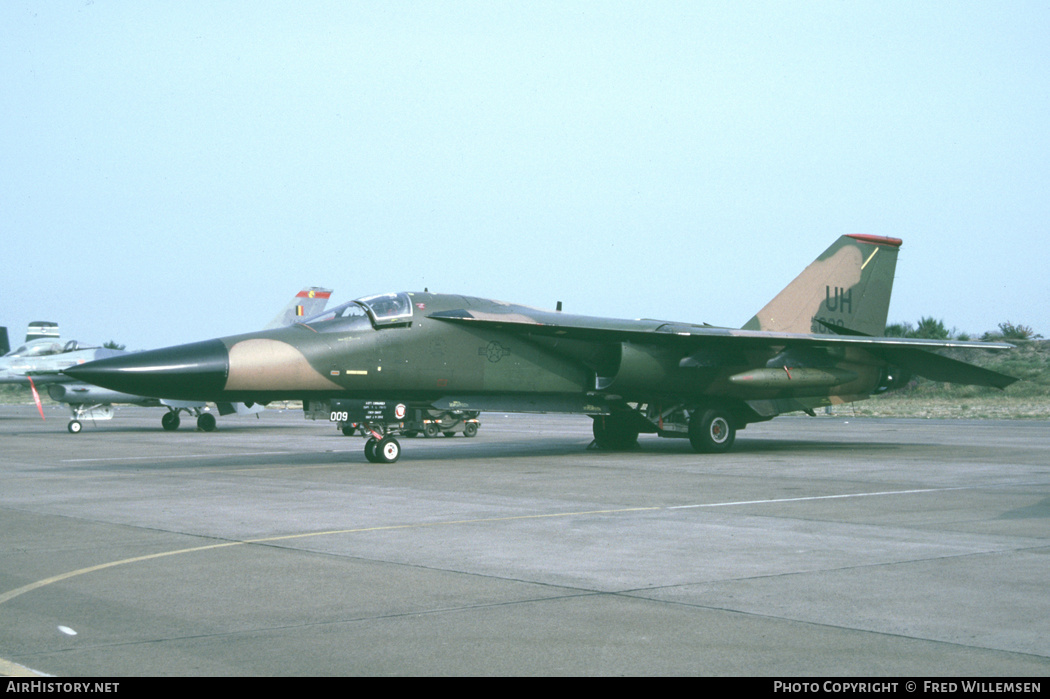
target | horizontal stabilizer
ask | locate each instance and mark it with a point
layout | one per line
(938, 368)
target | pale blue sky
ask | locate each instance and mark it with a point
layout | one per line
(174, 171)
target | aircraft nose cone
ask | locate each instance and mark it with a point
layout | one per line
(196, 371)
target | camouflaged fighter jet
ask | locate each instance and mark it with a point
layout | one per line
(372, 360)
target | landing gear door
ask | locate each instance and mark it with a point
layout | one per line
(367, 411)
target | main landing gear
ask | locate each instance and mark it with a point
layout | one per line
(711, 429)
(171, 420)
(616, 432)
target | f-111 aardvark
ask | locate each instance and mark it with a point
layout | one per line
(375, 359)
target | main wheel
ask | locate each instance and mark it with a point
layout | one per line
(388, 450)
(470, 429)
(74, 427)
(431, 430)
(711, 431)
(614, 432)
(206, 422)
(370, 450)
(170, 421)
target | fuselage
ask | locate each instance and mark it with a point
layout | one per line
(392, 347)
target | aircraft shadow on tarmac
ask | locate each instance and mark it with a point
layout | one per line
(1040, 510)
(566, 451)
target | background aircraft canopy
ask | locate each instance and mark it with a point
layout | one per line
(37, 349)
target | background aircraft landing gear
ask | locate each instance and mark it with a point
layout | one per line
(206, 422)
(170, 421)
(87, 411)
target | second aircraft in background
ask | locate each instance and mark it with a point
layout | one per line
(42, 360)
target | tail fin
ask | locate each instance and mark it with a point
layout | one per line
(848, 286)
(306, 303)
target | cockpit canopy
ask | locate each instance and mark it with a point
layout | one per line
(388, 309)
(380, 310)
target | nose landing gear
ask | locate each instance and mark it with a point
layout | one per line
(385, 450)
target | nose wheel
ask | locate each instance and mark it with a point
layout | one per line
(382, 451)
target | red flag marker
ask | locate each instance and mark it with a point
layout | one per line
(36, 397)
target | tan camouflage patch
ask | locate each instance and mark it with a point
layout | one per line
(258, 365)
(795, 307)
(847, 286)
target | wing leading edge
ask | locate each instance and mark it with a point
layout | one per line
(836, 307)
(908, 353)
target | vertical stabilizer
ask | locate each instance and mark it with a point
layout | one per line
(848, 286)
(306, 303)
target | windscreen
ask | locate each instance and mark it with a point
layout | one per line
(380, 310)
(387, 309)
(349, 316)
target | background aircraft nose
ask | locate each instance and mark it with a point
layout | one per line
(189, 372)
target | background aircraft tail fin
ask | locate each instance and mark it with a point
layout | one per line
(306, 303)
(848, 286)
(41, 329)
